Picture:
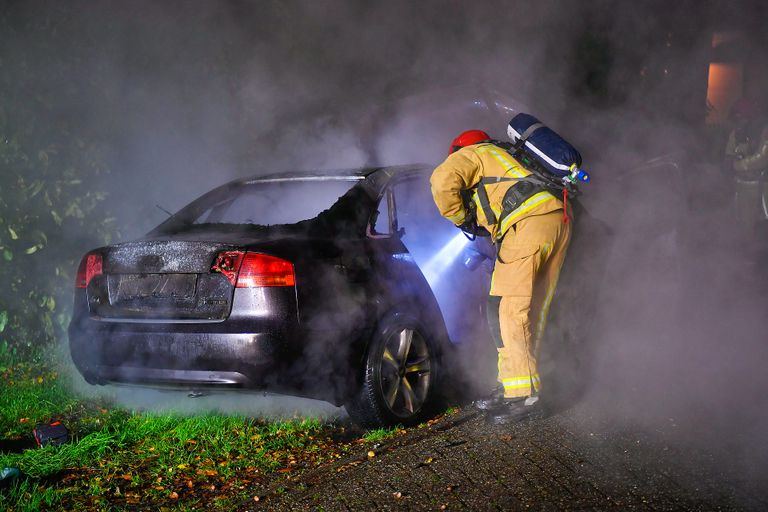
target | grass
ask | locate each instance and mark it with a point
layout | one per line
(119, 458)
(380, 434)
(29, 396)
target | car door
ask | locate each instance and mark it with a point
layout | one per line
(440, 251)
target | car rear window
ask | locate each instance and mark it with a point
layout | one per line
(264, 203)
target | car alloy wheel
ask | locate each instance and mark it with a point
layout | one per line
(405, 372)
(399, 378)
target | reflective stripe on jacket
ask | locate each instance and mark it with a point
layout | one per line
(465, 168)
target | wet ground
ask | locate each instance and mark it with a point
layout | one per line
(571, 460)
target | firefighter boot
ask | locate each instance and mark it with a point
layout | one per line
(513, 411)
(495, 401)
(492, 400)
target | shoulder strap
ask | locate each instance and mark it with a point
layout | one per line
(482, 194)
(538, 173)
(527, 133)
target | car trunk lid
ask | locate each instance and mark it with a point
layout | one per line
(162, 279)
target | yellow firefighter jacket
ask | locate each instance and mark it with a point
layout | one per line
(465, 168)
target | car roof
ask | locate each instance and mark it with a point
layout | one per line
(376, 175)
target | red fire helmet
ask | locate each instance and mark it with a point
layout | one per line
(468, 138)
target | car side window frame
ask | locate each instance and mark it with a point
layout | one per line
(404, 181)
(388, 196)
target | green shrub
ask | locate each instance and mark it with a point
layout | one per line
(52, 201)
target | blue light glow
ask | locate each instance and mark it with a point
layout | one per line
(439, 263)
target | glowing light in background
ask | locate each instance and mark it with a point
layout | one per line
(723, 88)
(726, 76)
(439, 263)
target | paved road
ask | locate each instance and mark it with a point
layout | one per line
(571, 460)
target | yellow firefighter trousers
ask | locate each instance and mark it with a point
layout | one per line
(525, 277)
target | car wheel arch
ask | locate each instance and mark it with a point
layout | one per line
(368, 403)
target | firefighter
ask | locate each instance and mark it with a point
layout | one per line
(531, 244)
(747, 149)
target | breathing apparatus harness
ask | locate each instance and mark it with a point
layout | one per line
(540, 180)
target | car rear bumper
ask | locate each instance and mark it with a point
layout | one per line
(116, 354)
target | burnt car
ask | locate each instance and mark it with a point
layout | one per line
(339, 286)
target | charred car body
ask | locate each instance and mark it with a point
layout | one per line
(295, 283)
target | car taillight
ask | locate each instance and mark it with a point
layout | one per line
(254, 270)
(262, 270)
(90, 266)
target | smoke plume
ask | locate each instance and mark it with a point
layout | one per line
(193, 94)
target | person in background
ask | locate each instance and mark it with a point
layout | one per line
(747, 156)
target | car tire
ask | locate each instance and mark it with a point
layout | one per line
(399, 378)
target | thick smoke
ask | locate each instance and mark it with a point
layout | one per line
(205, 92)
